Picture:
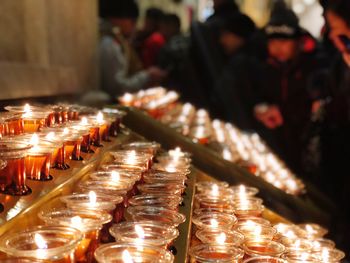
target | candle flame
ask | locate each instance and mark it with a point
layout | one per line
(40, 241)
(297, 244)
(26, 107)
(50, 136)
(221, 239)
(304, 256)
(76, 221)
(139, 231)
(65, 131)
(214, 223)
(92, 198)
(127, 257)
(325, 255)
(115, 176)
(127, 97)
(215, 190)
(310, 229)
(34, 140)
(84, 121)
(257, 231)
(99, 117)
(131, 157)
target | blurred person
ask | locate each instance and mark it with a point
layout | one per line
(285, 107)
(236, 88)
(173, 56)
(223, 9)
(149, 40)
(121, 69)
(335, 140)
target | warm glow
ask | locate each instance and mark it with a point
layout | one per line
(65, 131)
(27, 111)
(92, 198)
(215, 190)
(297, 244)
(27, 108)
(170, 168)
(99, 117)
(176, 153)
(50, 136)
(310, 230)
(214, 223)
(131, 158)
(140, 232)
(34, 140)
(84, 121)
(325, 255)
(221, 239)
(76, 221)
(127, 257)
(257, 231)
(40, 241)
(127, 97)
(115, 176)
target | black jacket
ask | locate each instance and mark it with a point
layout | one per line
(286, 85)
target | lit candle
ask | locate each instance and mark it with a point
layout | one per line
(127, 257)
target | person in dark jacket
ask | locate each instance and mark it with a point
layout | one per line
(285, 107)
(235, 90)
(335, 139)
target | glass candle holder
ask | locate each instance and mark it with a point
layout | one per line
(94, 202)
(208, 253)
(178, 161)
(296, 245)
(289, 230)
(147, 147)
(296, 257)
(140, 253)
(220, 202)
(157, 214)
(330, 255)
(95, 136)
(214, 221)
(200, 211)
(34, 121)
(84, 130)
(208, 185)
(13, 124)
(150, 233)
(72, 146)
(244, 209)
(13, 176)
(321, 243)
(154, 178)
(131, 157)
(22, 260)
(313, 230)
(259, 247)
(114, 117)
(241, 191)
(115, 176)
(38, 163)
(252, 219)
(172, 167)
(90, 223)
(134, 169)
(219, 236)
(265, 259)
(161, 188)
(156, 200)
(53, 243)
(256, 231)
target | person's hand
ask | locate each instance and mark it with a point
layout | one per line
(269, 115)
(156, 74)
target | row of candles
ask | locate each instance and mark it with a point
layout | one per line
(35, 139)
(245, 149)
(229, 227)
(126, 211)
